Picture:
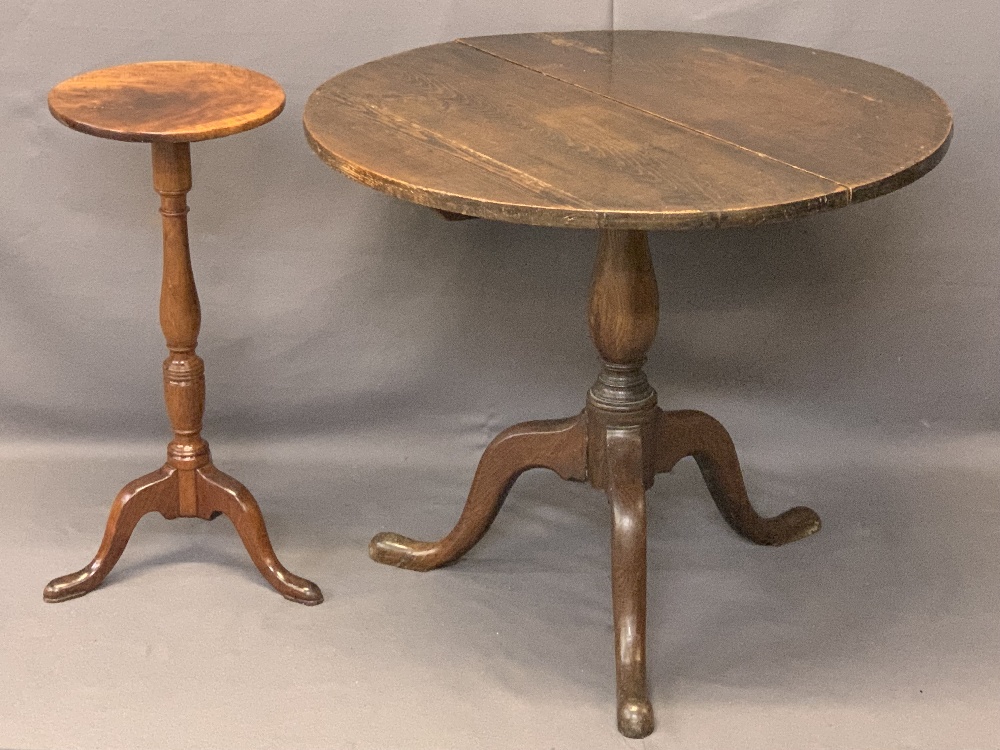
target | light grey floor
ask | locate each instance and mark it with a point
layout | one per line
(880, 632)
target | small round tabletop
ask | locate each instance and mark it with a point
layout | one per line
(627, 129)
(175, 101)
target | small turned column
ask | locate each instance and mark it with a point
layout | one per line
(623, 315)
(180, 319)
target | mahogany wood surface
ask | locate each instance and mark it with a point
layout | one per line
(627, 129)
(188, 485)
(623, 131)
(176, 101)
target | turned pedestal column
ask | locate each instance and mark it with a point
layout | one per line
(170, 104)
(618, 444)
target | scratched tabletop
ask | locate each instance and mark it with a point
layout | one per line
(627, 129)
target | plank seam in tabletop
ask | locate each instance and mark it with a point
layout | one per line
(459, 150)
(454, 149)
(676, 123)
(565, 208)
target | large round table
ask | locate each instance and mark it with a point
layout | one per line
(623, 132)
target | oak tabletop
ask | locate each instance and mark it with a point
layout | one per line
(170, 101)
(627, 129)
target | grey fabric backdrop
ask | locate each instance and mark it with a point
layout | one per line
(361, 353)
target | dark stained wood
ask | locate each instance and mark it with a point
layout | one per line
(459, 130)
(624, 301)
(630, 440)
(188, 485)
(173, 101)
(450, 216)
(545, 129)
(623, 314)
(625, 132)
(558, 445)
(627, 496)
(696, 434)
(864, 126)
(620, 442)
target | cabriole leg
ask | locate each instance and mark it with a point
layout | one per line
(188, 485)
(559, 445)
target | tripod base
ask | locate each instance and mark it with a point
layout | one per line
(205, 493)
(619, 443)
(622, 460)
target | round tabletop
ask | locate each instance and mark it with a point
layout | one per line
(627, 129)
(174, 101)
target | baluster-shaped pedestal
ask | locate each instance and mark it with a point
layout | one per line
(619, 443)
(188, 485)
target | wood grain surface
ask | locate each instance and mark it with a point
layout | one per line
(620, 442)
(188, 485)
(632, 130)
(166, 101)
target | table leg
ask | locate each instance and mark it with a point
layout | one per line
(631, 440)
(619, 444)
(621, 406)
(559, 445)
(156, 491)
(628, 580)
(188, 485)
(696, 434)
